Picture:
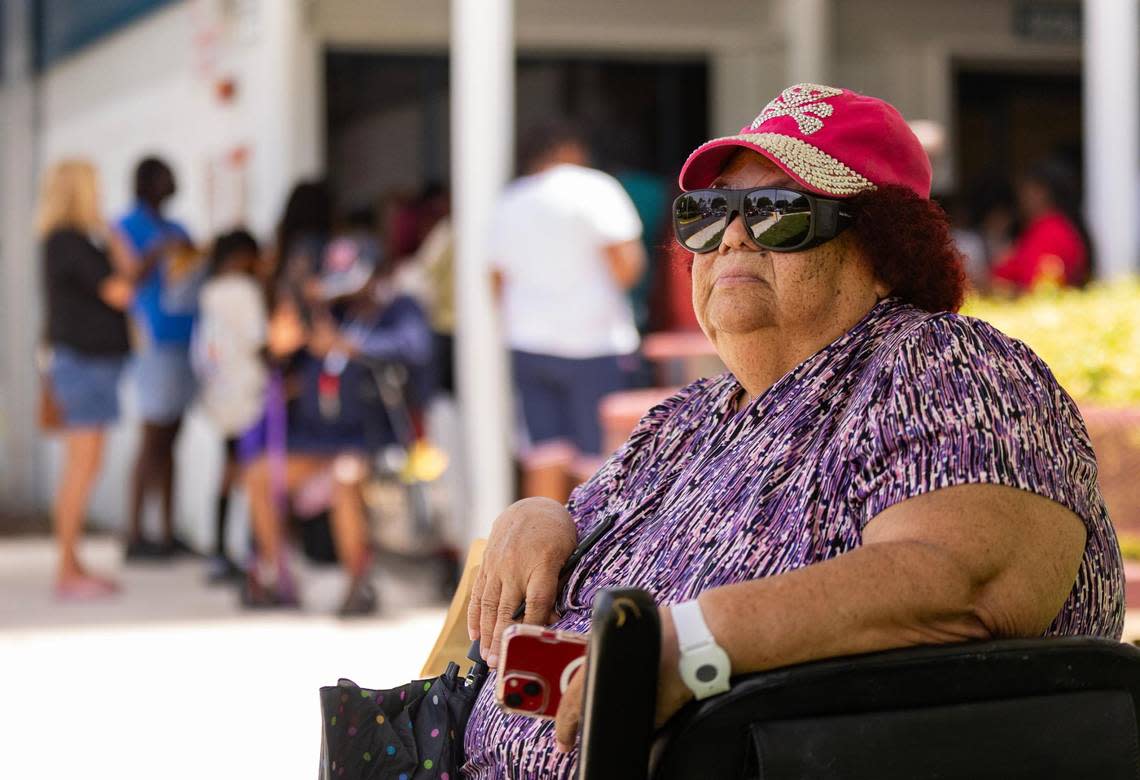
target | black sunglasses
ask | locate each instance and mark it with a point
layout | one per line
(777, 219)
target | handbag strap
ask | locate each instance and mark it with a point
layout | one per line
(564, 573)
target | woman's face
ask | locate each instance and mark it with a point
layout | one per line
(739, 289)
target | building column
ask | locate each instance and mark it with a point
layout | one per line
(286, 107)
(1112, 133)
(20, 297)
(807, 29)
(482, 145)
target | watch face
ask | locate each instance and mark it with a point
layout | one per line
(706, 673)
(706, 670)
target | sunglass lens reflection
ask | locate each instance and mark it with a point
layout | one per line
(778, 219)
(701, 217)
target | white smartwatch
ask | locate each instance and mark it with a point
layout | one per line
(705, 666)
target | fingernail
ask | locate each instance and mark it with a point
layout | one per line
(472, 634)
(561, 748)
(492, 660)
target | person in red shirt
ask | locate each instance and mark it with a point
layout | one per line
(1054, 245)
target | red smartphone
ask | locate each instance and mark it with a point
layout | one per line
(537, 664)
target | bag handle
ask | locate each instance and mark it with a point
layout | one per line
(564, 573)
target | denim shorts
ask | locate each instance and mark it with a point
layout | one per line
(86, 387)
(560, 396)
(166, 382)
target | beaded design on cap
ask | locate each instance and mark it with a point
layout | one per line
(816, 167)
(800, 102)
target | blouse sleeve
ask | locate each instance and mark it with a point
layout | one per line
(590, 500)
(966, 404)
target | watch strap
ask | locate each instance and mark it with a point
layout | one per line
(705, 667)
(689, 622)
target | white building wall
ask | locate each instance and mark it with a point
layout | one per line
(145, 90)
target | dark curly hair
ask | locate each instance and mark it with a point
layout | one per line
(907, 241)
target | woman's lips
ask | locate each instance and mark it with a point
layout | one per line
(735, 276)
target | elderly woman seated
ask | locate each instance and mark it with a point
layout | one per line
(874, 471)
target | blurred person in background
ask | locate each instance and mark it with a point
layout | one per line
(968, 240)
(227, 351)
(305, 228)
(87, 278)
(353, 319)
(994, 216)
(626, 158)
(565, 249)
(1054, 244)
(434, 266)
(164, 311)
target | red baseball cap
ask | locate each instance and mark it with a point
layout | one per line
(833, 141)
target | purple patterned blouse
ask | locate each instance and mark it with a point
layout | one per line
(904, 403)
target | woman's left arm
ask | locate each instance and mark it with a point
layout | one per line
(971, 562)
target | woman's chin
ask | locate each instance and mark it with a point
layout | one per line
(738, 313)
(739, 323)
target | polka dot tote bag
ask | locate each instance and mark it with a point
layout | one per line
(414, 732)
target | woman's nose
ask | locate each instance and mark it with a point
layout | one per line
(735, 237)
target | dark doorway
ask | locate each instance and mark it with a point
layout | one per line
(1008, 121)
(388, 116)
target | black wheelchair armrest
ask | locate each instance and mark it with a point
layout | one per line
(1008, 709)
(1064, 707)
(620, 696)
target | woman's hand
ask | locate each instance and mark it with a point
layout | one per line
(117, 292)
(286, 332)
(672, 693)
(529, 542)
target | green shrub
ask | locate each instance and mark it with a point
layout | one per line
(1090, 338)
(1129, 546)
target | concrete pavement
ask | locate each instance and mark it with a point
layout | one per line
(171, 680)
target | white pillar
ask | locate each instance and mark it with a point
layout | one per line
(807, 27)
(286, 109)
(1112, 133)
(482, 143)
(20, 296)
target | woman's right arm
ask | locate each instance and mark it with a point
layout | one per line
(529, 542)
(122, 255)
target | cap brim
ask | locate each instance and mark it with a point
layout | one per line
(808, 165)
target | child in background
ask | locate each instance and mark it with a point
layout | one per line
(228, 358)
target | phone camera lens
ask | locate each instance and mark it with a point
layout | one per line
(532, 689)
(513, 699)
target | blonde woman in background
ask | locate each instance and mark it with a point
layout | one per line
(87, 281)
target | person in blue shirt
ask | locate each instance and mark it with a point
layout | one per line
(164, 310)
